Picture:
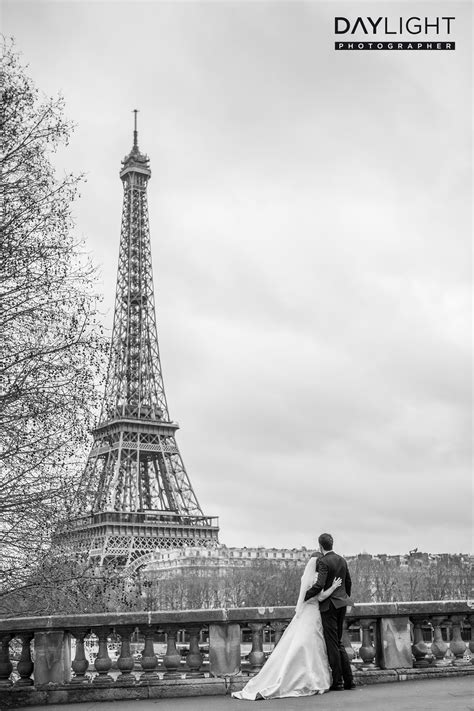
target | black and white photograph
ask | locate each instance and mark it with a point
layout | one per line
(236, 354)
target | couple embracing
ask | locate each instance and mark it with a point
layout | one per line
(310, 657)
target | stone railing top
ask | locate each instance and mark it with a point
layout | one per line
(418, 607)
(186, 618)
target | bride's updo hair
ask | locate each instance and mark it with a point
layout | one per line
(326, 541)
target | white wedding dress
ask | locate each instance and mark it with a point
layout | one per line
(298, 665)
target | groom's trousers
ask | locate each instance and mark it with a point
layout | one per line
(333, 620)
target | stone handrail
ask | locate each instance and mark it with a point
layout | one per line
(220, 646)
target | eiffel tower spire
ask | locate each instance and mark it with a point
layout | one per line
(135, 383)
(135, 490)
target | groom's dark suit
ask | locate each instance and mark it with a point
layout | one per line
(333, 611)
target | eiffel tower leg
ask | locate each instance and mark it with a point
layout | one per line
(130, 551)
(103, 552)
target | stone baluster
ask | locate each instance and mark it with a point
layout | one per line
(471, 641)
(457, 645)
(367, 650)
(420, 650)
(278, 628)
(257, 655)
(346, 641)
(103, 662)
(194, 658)
(149, 660)
(25, 664)
(439, 647)
(125, 662)
(172, 658)
(6, 667)
(80, 663)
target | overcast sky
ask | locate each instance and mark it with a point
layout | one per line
(310, 225)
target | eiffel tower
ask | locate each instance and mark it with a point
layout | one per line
(135, 489)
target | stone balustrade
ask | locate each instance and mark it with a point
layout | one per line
(48, 659)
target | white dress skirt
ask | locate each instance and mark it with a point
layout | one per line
(298, 665)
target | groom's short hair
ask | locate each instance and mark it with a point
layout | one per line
(325, 540)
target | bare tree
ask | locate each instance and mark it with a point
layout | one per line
(51, 352)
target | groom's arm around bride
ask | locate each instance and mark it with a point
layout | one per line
(328, 567)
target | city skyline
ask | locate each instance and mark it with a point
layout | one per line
(309, 217)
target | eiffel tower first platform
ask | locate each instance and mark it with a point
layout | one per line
(135, 495)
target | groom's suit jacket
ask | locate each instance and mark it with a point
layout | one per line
(328, 567)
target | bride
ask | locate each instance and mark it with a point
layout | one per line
(298, 665)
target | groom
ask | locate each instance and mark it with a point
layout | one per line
(333, 610)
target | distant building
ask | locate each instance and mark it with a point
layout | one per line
(196, 559)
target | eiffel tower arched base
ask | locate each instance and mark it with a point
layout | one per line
(123, 538)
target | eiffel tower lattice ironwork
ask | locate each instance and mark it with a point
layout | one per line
(135, 489)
